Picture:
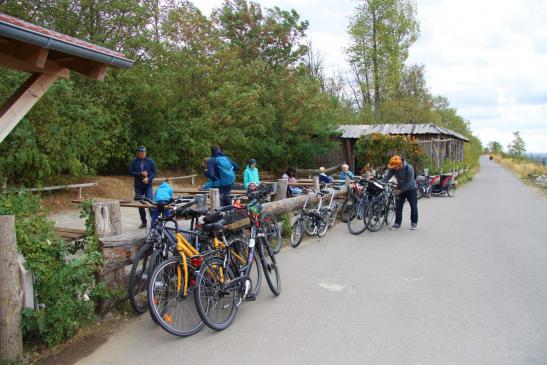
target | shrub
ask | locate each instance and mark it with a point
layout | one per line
(66, 287)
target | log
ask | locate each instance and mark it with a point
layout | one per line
(108, 220)
(214, 197)
(279, 207)
(11, 295)
(282, 185)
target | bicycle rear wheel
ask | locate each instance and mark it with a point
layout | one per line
(215, 303)
(309, 225)
(297, 233)
(271, 270)
(138, 278)
(356, 220)
(272, 231)
(174, 310)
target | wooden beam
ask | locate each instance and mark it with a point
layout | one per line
(50, 67)
(22, 101)
(91, 69)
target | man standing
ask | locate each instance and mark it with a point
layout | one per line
(221, 171)
(406, 189)
(143, 169)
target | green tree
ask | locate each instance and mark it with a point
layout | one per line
(517, 147)
(381, 33)
(495, 147)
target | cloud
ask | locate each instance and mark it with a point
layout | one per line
(488, 57)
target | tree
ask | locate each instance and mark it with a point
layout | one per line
(381, 33)
(517, 147)
(495, 147)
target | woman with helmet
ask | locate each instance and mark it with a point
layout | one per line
(406, 189)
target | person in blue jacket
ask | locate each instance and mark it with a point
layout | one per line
(143, 169)
(221, 170)
(250, 175)
(163, 195)
(345, 172)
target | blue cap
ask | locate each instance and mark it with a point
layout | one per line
(142, 149)
(252, 161)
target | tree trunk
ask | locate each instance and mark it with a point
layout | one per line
(108, 218)
(282, 185)
(11, 294)
(375, 66)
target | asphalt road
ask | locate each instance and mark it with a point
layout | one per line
(468, 287)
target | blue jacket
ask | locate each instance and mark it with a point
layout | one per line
(164, 192)
(343, 176)
(218, 179)
(324, 178)
(250, 176)
(138, 165)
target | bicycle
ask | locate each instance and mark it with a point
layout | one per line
(219, 290)
(158, 238)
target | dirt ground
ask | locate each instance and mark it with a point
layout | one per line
(109, 187)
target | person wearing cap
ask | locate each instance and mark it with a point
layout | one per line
(143, 169)
(406, 190)
(221, 171)
(250, 174)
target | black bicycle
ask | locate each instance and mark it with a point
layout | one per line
(219, 288)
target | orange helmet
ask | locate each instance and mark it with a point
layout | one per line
(394, 162)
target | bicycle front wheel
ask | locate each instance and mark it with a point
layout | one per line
(375, 216)
(322, 223)
(270, 268)
(390, 210)
(356, 219)
(172, 308)
(138, 279)
(451, 190)
(216, 303)
(297, 233)
(271, 228)
(346, 209)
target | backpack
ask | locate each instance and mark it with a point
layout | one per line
(225, 172)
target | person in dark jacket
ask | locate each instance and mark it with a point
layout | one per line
(143, 169)
(221, 170)
(406, 184)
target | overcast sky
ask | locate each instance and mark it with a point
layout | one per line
(489, 57)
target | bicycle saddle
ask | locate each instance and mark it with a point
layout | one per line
(197, 212)
(212, 218)
(324, 191)
(213, 227)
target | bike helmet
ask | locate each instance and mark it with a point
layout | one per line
(394, 162)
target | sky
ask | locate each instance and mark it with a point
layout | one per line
(488, 57)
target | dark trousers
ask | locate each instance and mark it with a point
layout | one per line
(225, 196)
(147, 192)
(412, 197)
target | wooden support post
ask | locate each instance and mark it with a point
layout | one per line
(214, 198)
(11, 295)
(193, 181)
(316, 183)
(347, 182)
(282, 186)
(108, 219)
(23, 100)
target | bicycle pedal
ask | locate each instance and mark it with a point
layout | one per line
(250, 297)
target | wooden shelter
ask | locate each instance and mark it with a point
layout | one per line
(48, 56)
(439, 143)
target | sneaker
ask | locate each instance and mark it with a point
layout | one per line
(395, 226)
(143, 225)
(413, 226)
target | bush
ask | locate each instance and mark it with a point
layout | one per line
(66, 288)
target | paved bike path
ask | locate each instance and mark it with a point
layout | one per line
(468, 287)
